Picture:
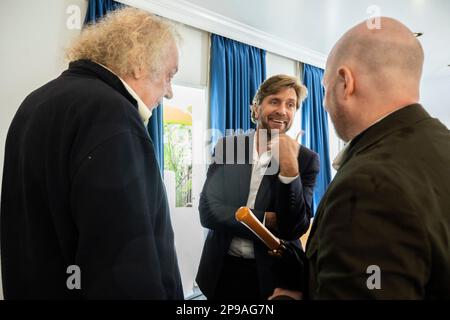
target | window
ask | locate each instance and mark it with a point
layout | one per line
(178, 148)
(185, 123)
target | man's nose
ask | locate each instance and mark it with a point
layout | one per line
(169, 93)
(282, 110)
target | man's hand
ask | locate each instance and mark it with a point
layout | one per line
(290, 271)
(288, 153)
(270, 221)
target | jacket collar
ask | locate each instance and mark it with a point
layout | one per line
(403, 118)
(90, 68)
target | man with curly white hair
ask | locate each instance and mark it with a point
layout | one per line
(84, 212)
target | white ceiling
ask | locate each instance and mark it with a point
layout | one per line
(318, 24)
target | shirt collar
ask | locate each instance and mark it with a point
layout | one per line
(255, 149)
(337, 162)
(144, 112)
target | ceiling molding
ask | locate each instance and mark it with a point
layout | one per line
(203, 19)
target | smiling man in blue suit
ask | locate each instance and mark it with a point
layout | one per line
(268, 172)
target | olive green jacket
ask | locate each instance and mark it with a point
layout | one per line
(382, 229)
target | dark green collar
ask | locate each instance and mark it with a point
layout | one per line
(402, 120)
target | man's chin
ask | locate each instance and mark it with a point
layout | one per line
(279, 130)
(271, 130)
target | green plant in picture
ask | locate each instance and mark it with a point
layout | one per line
(178, 158)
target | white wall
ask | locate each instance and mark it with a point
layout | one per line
(435, 97)
(194, 57)
(276, 64)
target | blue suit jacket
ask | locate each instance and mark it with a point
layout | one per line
(227, 188)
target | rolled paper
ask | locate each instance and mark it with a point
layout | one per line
(246, 216)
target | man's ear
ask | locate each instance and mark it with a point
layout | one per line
(255, 111)
(137, 73)
(346, 81)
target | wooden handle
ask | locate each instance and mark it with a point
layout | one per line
(246, 216)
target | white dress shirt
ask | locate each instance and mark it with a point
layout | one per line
(240, 247)
(144, 112)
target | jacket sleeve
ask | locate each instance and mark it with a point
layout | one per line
(371, 243)
(124, 241)
(293, 201)
(215, 212)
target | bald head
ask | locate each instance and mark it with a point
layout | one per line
(370, 73)
(389, 54)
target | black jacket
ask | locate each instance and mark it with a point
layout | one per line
(388, 207)
(227, 188)
(81, 186)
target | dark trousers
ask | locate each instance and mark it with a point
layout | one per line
(238, 281)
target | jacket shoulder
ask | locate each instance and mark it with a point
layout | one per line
(308, 153)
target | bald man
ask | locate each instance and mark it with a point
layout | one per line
(382, 230)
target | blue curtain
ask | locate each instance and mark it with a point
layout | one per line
(98, 8)
(155, 130)
(315, 126)
(236, 70)
(95, 11)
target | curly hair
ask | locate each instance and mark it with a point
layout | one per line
(124, 40)
(273, 85)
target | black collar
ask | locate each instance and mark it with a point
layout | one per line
(90, 68)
